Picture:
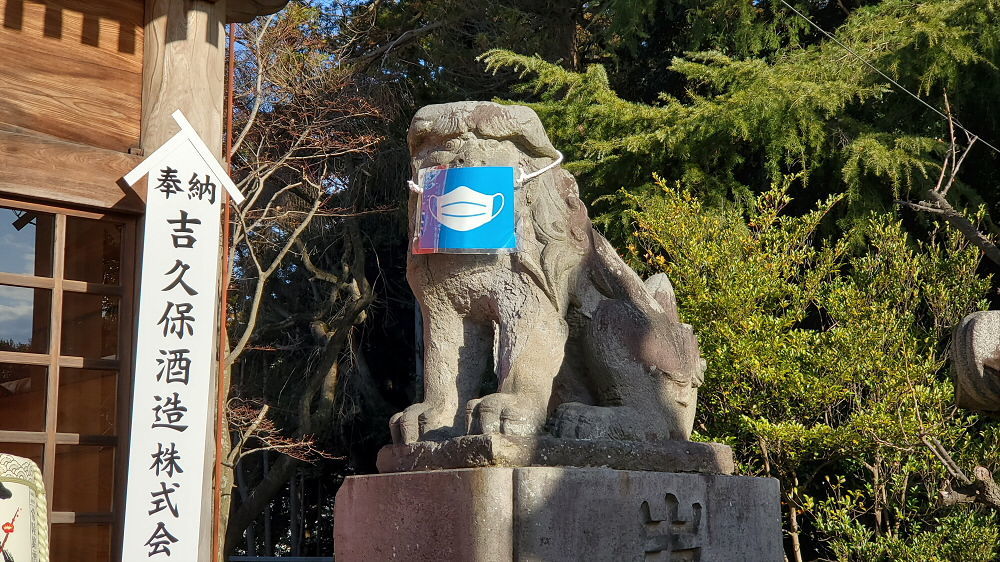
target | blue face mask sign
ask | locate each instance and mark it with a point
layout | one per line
(467, 210)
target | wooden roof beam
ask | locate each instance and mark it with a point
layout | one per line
(44, 167)
(242, 11)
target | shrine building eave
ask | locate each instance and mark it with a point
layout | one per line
(242, 11)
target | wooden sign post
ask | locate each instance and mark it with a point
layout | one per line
(173, 398)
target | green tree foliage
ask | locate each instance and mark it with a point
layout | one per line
(826, 360)
(737, 123)
(825, 366)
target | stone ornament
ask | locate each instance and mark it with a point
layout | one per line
(975, 351)
(578, 345)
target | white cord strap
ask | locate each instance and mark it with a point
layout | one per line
(525, 177)
(415, 187)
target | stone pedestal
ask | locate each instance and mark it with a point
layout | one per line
(476, 451)
(556, 514)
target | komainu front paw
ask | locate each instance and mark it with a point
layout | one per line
(504, 413)
(421, 420)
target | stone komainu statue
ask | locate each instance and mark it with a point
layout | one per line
(975, 351)
(579, 346)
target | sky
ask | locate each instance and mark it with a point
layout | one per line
(17, 255)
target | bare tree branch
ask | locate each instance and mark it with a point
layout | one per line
(965, 226)
(297, 269)
(365, 60)
(259, 90)
(937, 203)
(979, 489)
(262, 282)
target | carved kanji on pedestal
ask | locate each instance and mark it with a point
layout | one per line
(672, 534)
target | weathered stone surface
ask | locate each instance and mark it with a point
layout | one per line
(581, 346)
(439, 515)
(557, 514)
(511, 451)
(975, 351)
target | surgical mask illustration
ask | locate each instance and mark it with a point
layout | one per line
(464, 209)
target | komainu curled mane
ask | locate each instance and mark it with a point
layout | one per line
(579, 345)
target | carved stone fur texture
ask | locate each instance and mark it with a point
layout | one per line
(975, 352)
(580, 346)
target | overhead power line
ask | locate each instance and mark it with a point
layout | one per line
(886, 76)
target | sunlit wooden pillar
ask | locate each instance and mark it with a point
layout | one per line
(184, 68)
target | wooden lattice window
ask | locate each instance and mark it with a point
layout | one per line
(66, 284)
